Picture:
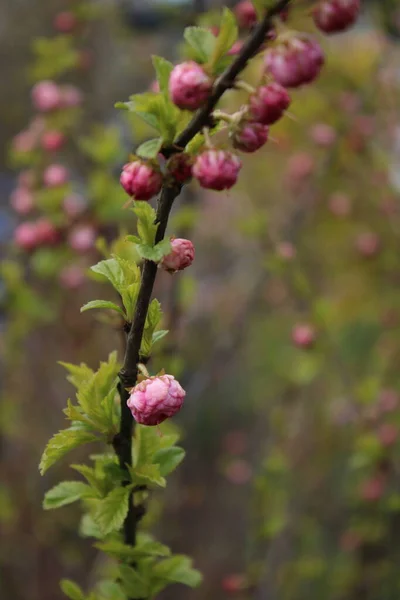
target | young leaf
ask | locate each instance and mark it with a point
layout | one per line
(202, 41)
(112, 271)
(178, 569)
(65, 493)
(154, 253)
(146, 222)
(110, 590)
(71, 590)
(168, 459)
(128, 553)
(147, 442)
(159, 335)
(103, 304)
(95, 480)
(77, 373)
(61, 443)
(227, 36)
(134, 585)
(88, 528)
(111, 512)
(163, 70)
(147, 475)
(150, 148)
(129, 297)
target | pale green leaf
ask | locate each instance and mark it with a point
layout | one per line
(65, 493)
(103, 304)
(202, 42)
(71, 590)
(77, 373)
(61, 443)
(227, 36)
(89, 528)
(134, 585)
(178, 569)
(163, 70)
(110, 590)
(154, 253)
(126, 553)
(150, 148)
(168, 459)
(159, 335)
(111, 512)
(147, 475)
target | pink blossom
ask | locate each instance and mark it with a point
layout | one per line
(268, 104)
(368, 244)
(286, 250)
(52, 141)
(296, 62)
(82, 238)
(323, 135)
(46, 232)
(373, 489)
(189, 85)
(217, 169)
(156, 399)
(303, 335)
(388, 434)
(74, 205)
(71, 96)
(65, 22)
(72, 277)
(25, 236)
(250, 137)
(180, 257)
(23, 142)
(246, 14)
(46, 96)
(332, 16)
(22, 200)
(55, 175)
(239, 471)
(339, 204)
(141, 180)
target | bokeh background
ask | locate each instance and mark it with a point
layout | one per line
(290, 489)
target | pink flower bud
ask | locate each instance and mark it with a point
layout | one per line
(72, 277)
(46, 233)
(74, 205)
(388, 401)
(339, 204)
(323, 135)
(71, 97)
(141, 180)
(332, 16)
(246, 14)
(268, 103)
(250, 136)
(300, 167)
(55, 176)
(22, 200)
(286, 250)
(52, 141)
(296, 62)
(303, 336)
(388, 434)
(25, 236)
(82, 238)
(181, 256)
(189, 85)
(217, 169)
(232, 584)
(236, 48)
(180, 167)
(65, 22)
(239, 472)
(46, 96)
(156, 399)
(373, 489)
(23, 142)
(368, 244)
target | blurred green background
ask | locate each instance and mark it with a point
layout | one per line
(290, 489)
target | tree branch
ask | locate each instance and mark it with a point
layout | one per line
(122, 442)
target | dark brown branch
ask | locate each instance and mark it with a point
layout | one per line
(128, 375)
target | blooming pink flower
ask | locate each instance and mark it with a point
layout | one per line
(332, 16)
(72, 277)
(53, 140)
(65, 22)
(323, 135)
(181, 256)
(180, 167)
(46, 96)
(82, 238)
(25, 236)
(46, 233)
(22, 200)
(156, 399)
(303, 335)
(286, 250)
(296, 62)
(251, 136)
(246, 14)
(71, 96)
(74, 205)
(388, 434)
(368, 244)
(217, 169)
(141, 180)
(189, 85)
(268, 104)
(55, 175)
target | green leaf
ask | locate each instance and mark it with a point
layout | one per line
(163, 70)
(65, 493)
(88, 528)
(150, 148)
(78, 374)
(110, 590)
(147, 442)
(126, 553)
(112, 270)
(134, 585)
(111, 512)
(71, 590)
(227, 36)
(61, 443)
(155, 253)
(159, 335)
(178, 569)
(154, 316)
(95, 480)
(202, 41)
(75, 414)
(147, 475)
(146, 221)
(103, 304)
(168, 459)
(129, 298)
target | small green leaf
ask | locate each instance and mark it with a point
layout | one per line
(65, 493)
(111, 512)
(227, 36)
(168, 459)
(88, 528)
(78, 374)
(133, 238)
(202, 41)
(177, 569)
(163, 70)
(147, 475)
(154, 253)
(159, 335)
(103, 304)
(134, 585)
(150, 148)
(147, 442)
(128, 553)
(61, 443)
(110, 590)
(71, 590)
(93, 479)
(146, 222)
